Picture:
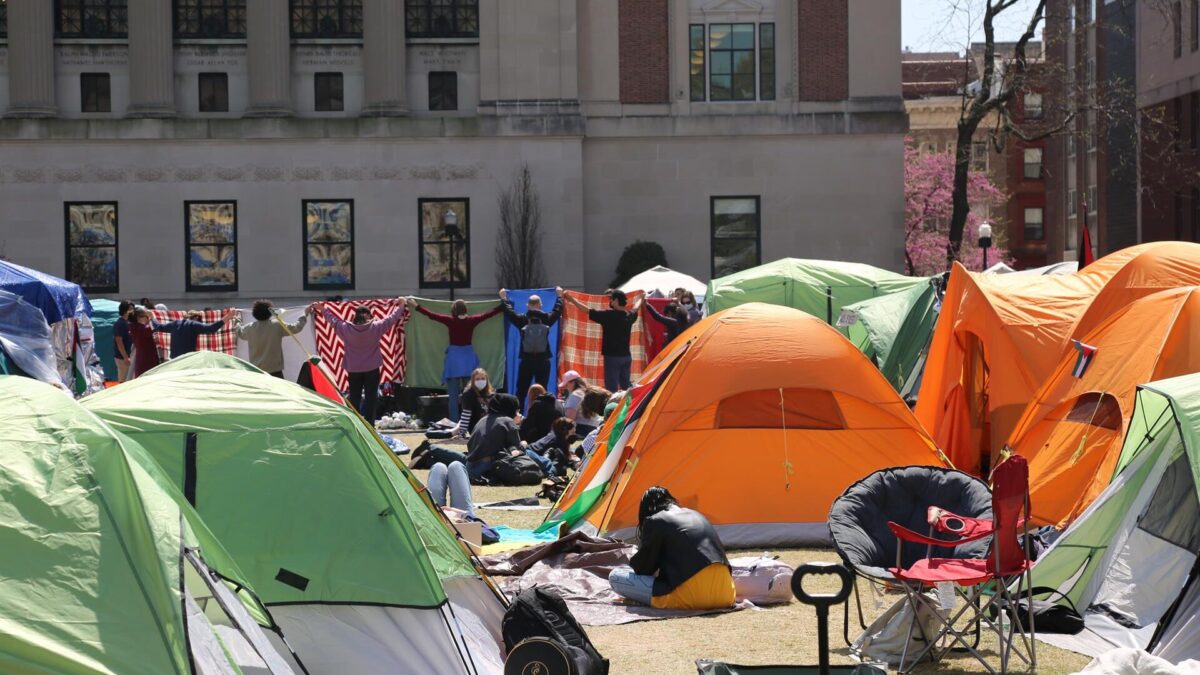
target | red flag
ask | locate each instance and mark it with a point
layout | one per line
(320, 381)
(1086, 257)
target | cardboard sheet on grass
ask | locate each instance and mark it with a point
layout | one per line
(577, 567)
(427, 341)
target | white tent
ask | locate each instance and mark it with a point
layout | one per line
(1070, 267)
(660, 282)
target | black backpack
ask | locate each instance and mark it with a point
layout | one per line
(535, 339)
(538, 613)
(515, 470)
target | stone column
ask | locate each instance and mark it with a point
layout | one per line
(31, 59)
(384, 59)
(269, 52)
(151, 59)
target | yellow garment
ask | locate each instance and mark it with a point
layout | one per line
(710, 588)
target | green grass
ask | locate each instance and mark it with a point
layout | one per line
(776, 635)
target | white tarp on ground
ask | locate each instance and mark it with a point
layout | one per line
(459, 638)
(1136, 662)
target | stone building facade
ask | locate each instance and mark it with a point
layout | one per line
(197, 152)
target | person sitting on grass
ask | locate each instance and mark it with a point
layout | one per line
(680, 563)
(474, 402)
(542, 410)
(451, 478)
(494, 437)
(552, 452)
(591, 410)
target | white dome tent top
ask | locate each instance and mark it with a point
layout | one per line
(659, 281)
(1069, 267)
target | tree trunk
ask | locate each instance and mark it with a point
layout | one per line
(967, 125)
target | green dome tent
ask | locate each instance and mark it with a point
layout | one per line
(893, 331)
(105, 569)
(818, 287)
(204, 359)
(1129, 563)
(357, 566)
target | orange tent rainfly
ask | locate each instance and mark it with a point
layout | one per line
(1073, 429)
(998, 335)
(758, 416)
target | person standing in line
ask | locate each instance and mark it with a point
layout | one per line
(123, 340)
(461, 358)
(616, 323)
(184, 332)
(535, 326)
(264, 335)
(145, 352)
(363, 359)
(687, 301)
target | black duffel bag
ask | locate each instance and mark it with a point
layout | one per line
(539, 613)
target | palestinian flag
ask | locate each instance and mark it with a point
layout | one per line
(610, 449)
(1083, 359)
(313, 376)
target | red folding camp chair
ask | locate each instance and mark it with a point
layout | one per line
(987, 588)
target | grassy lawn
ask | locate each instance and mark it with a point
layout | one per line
(776, 635)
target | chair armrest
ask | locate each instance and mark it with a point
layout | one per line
(905, 534)
(948, 522)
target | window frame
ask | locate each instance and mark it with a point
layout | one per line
(1040, 164)
(976, 145)
(733, 56)
(95, 77)
(427, 7)
(464, 217)
(703, 62)
(712, 229)
(200, 80)
(1177, 27)
(344, 9)
(1072, 203)
(429, 89)
(113, 10)
(3, 20)
(1025, 223)
(329, 77)
(1194, 25)
(763, 60)
(188, 245)
(1040, 108)
(304, 244)
(202, 13)
(115, 245)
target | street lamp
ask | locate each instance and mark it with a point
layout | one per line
(450, 225)
(985, 241)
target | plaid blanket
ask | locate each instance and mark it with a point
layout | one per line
(331, 350)
(224, 340)
(580, 346)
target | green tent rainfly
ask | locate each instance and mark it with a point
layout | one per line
(357, 566)
(894, 331)
(818, 287)
(1129, 563)
(105, 568)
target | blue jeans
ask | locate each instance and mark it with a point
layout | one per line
(447, 456)
(616, 372)
(454, 390)
(542, 461)
(454, 479)
(636, 587)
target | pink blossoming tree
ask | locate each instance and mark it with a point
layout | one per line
(928, 205)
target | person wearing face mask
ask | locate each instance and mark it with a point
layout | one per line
(461, 358)
(475, 399)
(687, 302)
(363, 359)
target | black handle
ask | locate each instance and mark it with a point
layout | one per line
(825, 600)
(822, 602)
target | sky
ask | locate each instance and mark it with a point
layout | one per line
(939, 25)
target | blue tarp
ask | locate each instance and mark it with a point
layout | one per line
(512, 336)
(57, 298)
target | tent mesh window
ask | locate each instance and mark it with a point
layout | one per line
(763, 409)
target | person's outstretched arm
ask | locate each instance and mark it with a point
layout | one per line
(664, 320)
(381, 326)
(207, 328)
(477, 319)
(443, 319)
(558, 307)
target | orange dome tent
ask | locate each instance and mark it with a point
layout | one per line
(759, 418)
(1073, 429)
(997, 337)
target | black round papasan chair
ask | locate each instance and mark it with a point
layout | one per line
(858, 519)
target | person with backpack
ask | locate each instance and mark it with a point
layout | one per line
(680, 563)
(461, 358)
(495, 437)
(535, 326)
(616, 324)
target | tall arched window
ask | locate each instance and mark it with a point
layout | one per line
(441, 18)
(92, 19)
(327, 18)
(210, 18)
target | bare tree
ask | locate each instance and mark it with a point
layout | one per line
(519, 247)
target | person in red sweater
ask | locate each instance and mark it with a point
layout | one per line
(461, 358)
